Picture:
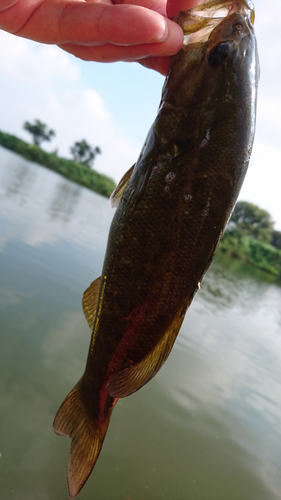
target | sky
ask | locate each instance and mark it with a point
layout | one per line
(113, 105)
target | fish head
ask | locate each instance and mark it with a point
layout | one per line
(232, 38)
(215, 74)
(220, 28)
(199, 22)
(216, 34)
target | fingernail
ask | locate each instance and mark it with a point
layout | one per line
(174, 40)
(162, 33)
(171, 33)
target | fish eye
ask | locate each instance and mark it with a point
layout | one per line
(238, 27)
(219, 54)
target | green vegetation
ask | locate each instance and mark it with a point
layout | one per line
(251, 238)
(39, 132)
(276, 239)
(83, 153)
(250, 235)
(261, 255)
(250, 220)
(72, 170)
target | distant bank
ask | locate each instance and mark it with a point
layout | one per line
(67, 168)
(253, 252)
(235, 243)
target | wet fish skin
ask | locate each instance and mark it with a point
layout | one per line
(172, 209)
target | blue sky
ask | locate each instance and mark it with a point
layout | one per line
(113, 105)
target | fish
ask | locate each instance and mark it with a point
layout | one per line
(172, 208)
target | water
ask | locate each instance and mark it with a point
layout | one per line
(208, 427)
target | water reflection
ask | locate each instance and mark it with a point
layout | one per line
(49, 198)
(208, 427)
(63, 201)
(18, 181)
(241, 281)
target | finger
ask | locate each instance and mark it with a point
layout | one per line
(156, 5)
(159, 64)
(111, 53)
(95, 23)
(175, 6)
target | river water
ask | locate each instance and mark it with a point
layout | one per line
(207, 427)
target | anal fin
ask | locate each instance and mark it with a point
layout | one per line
(133, 378)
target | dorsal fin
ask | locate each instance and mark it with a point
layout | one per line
(133, 378)
(117, 194)
(90, 302)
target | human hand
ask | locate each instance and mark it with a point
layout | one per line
(101, 30)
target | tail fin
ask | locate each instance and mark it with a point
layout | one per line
(73, 420)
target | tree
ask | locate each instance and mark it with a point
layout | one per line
(276, 239)
(249, 219)
(84, 153)
(39, 131)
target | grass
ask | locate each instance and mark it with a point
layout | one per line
(251, 251)
(67, 168)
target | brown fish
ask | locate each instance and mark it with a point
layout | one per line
(173, 206)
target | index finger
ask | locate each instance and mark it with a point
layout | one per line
(156, 5)
(87, 23)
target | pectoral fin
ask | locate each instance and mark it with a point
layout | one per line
(117, 194)
(133, 378)
(90, 302)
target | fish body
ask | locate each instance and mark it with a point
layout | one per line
(172, 209)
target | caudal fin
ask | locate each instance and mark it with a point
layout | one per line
(73, 420)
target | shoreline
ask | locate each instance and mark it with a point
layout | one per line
(84, 176)
(247, 250)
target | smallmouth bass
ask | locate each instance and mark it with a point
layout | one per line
(172, 209)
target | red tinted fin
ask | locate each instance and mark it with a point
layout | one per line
(73, 420)
(133, 378)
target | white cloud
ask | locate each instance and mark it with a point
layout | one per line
(44, 82)
(263, 180)
(93, 102)
(27, 61)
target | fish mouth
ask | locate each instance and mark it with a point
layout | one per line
(197, 23)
